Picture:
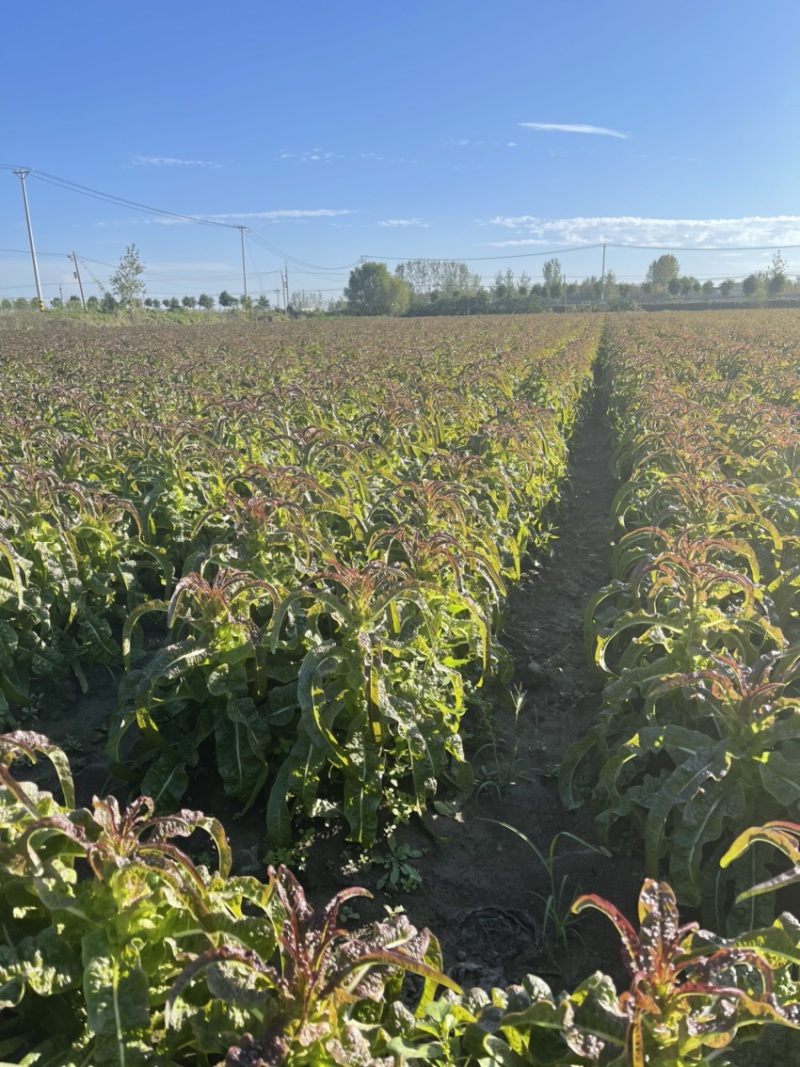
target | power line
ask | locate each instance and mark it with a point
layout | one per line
(481, 259)
(259, 240)
(96, 194)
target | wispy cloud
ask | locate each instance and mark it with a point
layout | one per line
(169, 161)
(285, 215)
(565, 127)
(755, 230)
(403, 223)
(322, 155)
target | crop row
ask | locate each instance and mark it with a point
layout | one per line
(300, 553)
(120, 951)
(698, 632)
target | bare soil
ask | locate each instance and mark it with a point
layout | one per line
(482, 889)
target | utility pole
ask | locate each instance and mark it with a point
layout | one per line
(285, 280)
(603, 278)
(22, 175)
(74, 259)
(241, 230)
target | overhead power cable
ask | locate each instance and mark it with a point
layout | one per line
(96, 194)
(259, 240)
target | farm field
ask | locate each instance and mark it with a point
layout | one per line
(326, 582)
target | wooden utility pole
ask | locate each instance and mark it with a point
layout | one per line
(241, 230)
(22, 175)
(77, 273)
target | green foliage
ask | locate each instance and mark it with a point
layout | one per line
(372, 290)
(126, 282)
(697, 633)
(662, 271)
(140, 956)
(342, 548)
(691, 992)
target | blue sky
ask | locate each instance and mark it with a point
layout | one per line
(443, 129)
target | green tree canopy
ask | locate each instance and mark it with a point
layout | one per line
(662, 270)
(776, 275)
(372, 290)
(126, 282)
(553, 278)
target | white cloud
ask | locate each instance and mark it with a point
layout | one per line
(656, 233)
(169, 161)
(563, 127)
(511, 144)
(401, 223)
(288, 214)
(321, 155)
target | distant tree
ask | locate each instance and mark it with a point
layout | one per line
(172, 304)
(750, 285)
(262, 303)
(5, 304)
(687, 284)
(74, 301)
(205, 301)
(189, 301)
(92, 303)
(674, 286)
(226, 300)
(245, 302)
(610, 288)
(56, 302)
(372, 290)
(501, 285)
(108, 305)
(126, 282)
(156, 303)
(553, 278)
(662, 270)
(776, 275)
(708, 287)
(447, 276)
(726, 286)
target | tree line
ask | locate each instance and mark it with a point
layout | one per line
(440, 287)
(429, 287)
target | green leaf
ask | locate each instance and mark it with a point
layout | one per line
(117, 996)
(690, 778)
(781, 778)
(363, 788)
(279, 820)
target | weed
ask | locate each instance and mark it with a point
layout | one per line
(558, 915)
(503, 766)
(399, 872)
